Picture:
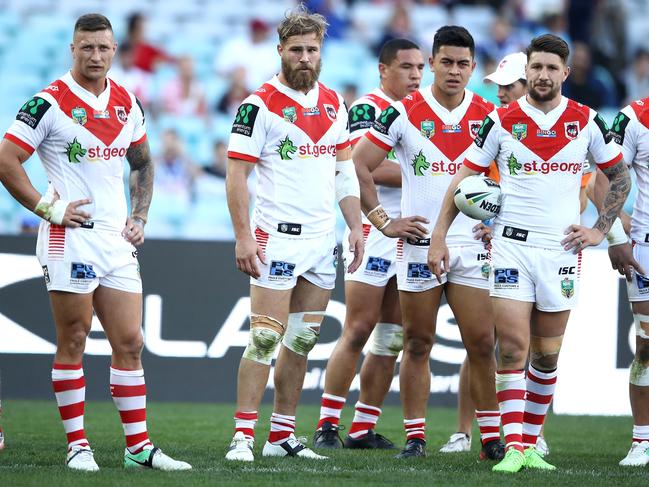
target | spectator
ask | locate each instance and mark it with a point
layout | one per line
(334, 12)
(146, 56)
(637, 77)
(130, 76)
(174, 173)
(399, 27)
(236, 93)
(219, 163)
(588, 84)
(504, 40)
(349, 93)
(184, 95)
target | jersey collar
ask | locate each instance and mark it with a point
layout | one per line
(97, 102)
(306, 100)
(447, 116)
(545, 121)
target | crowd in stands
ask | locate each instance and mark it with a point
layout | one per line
(191, 63)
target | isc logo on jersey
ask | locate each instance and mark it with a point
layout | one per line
(77, 153)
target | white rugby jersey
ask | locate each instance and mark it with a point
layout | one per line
(540, 159)
(293, 138)
(82, 141)
(362, 114)
(430, 142)
(630, 130)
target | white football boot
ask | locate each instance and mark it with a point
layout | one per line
(638, 455)
(458, 442)
(81, 458)
(292, 447)
(241, 448)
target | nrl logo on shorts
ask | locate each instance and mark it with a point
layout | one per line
(519, 131)
(290, 115)
(474, 127)
(427, 128)
(572, 130)
(79, 115)
(568, 288)
(121, 114)
(330, 110)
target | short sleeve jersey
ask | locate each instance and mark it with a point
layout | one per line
(82, 140)
(540, 158)
(362, 115)
(293, 139)
(430, 142)
(630, 130)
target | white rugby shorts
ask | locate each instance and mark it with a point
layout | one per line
(314, 259)
(469, 266)
(379, 263)
(547, 277)
(638, 288)
(77, 260)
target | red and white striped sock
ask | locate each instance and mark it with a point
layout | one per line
(331, 407)
(365, 419)
(510, 391)
(640, 433)
(70, 390)
(540, 390)
(489, 424)
(415, 428)
(281, 427)
(129, 395)
(245, 421)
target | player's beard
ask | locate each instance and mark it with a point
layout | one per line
(550, 95)
(301, 79)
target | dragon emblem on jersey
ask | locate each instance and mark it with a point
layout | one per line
(572, 130)
(286, 148)
(513, 165)
(290, 114)
(519, 131)
(474, 127)
(79, 115)
(74, 150)
(121, 114)
(420, 164)
(330, 110)
(568, 288)
(427, 128)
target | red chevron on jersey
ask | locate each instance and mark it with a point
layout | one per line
(451, 140)
(641, 109)
(544, 143)
(314, 121)
(105, 129)
(382, 103)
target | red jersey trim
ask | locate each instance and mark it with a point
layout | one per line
(20, 143)
(243, 157)
(378, 142)
(610, 163)
(475, 167)
(139, 141)
(355, 140)
(344, 145)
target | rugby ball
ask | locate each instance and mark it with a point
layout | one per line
(478, 197)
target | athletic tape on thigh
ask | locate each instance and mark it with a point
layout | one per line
(303, 331)
(265, 334)
(387, 339)
(641, 325)
(638, 373)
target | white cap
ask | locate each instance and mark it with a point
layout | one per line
(509, 70)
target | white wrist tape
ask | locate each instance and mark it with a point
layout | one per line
(616, 235)
(52, 212)
(346, 180)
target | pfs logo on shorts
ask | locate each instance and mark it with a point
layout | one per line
(418, 270)
(280, 270)
(82, 271)
(506, 278)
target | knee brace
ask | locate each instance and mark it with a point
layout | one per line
(544, 352)
(265, 335)
(641, 325)
(303, 331)
(387, 339)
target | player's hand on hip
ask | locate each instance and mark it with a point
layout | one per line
(622, 260)
(357, 247)
(246, 252)
(579, 237)
(438, 257)
(407, 227)
(483, 232)
(74, 216)
(134, 231)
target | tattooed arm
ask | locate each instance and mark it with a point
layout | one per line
(141, 188)
(619, 187)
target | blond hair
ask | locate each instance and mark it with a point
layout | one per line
(300, 21)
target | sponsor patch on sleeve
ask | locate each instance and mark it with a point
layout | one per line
(361, 117)
(618, 128)
(485, 128)
(32, 111)
(603, 128)
(244, 122)
(386, 119)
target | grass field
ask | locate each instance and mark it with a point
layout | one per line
(586, 451)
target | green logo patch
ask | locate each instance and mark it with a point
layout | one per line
(286, 148)
(385, 120)
(618, 128)
(485, 128)
(361, 117)
(244, 122)
(420, 164)
(74, 150)
(32, 111)
(513, 165)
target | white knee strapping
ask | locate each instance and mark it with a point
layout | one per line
(641, 325)
(387, 339)
(303, 331)
(265, 334)
(638, 373)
